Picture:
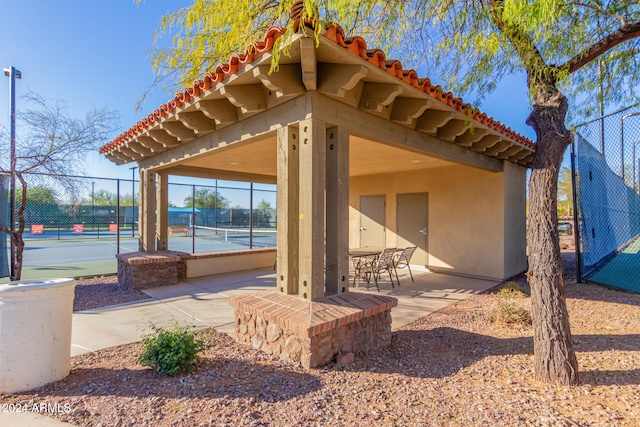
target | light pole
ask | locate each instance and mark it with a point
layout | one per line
(13, 74)
(133, 200)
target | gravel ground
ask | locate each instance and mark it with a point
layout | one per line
(451, 368)
(101, 292)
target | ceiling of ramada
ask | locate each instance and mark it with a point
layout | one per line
(365, 158)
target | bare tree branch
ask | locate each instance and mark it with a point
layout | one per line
(624, 33)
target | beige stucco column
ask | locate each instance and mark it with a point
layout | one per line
(337, 199)
(147, 211)
(162, 211)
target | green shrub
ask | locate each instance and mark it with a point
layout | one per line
(510, 314)
(512, 290)
(171, 350)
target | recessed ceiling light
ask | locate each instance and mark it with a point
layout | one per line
(233, 163)
(415, 161)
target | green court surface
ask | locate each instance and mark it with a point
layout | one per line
(83, 269)
(623, 271)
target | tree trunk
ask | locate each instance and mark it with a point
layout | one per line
(554, 357)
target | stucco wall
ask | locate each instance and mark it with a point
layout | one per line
(515, 229)
(227, 262)
(471, 229)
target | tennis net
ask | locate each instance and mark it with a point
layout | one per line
(241, 236)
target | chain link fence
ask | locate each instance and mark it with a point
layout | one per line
(606, 171)
(74, 226)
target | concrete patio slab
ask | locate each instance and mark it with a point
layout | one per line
(203, 302)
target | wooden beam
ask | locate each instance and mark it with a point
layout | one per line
(127, 151)
(122, 155)
(526, 151)
(487, 141)
(139, 148)
(309, 63)
(150, 143)
(252, 128)
(431, 120)
(472, 136)
(178, 130)
(163, 138)
(386, 132)
(285, 82)
(500, 146)
(249, 98)
(220, 110)
(198, 172)
(452, 129)
(118, 161)
(287, 208)
(147, 211)
(407, 110)
(162, 212)
(311, 202)
(506, 154)
(197, 121)
(337, 200)
(337, 79)
(377, 96)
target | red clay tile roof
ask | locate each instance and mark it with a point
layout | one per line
(335, 33)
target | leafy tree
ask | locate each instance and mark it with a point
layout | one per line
(263, 218)
(563, 47)
(104, 198)
(206, 199)
(41, 195)
(50, 140)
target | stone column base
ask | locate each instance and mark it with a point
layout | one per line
(142, 270)
(313, 333)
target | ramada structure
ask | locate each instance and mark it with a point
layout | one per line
(363, 152)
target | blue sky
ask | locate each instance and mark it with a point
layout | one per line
(93, 54)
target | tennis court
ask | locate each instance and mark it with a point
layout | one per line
(623, 271)
(68, 254)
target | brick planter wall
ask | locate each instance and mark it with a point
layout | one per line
(141, 270)
(316, 333)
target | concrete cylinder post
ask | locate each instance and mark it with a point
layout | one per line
(35, 332)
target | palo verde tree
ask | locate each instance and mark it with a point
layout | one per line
(567, 50)
(49, 140)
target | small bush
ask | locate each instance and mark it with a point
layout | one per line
(171, 350)
(512, 290)
(510, 314)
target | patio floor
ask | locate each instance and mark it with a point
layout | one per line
(203, 302)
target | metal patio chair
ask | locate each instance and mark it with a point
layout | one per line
(385, 262)
(402, 261)
(362, 268)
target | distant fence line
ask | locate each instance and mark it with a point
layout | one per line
(79, 212)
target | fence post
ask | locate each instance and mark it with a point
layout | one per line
(193, 219)
(118, 215)
(251, 216)
(576, 228)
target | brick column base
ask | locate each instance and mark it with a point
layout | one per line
(313, 333)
